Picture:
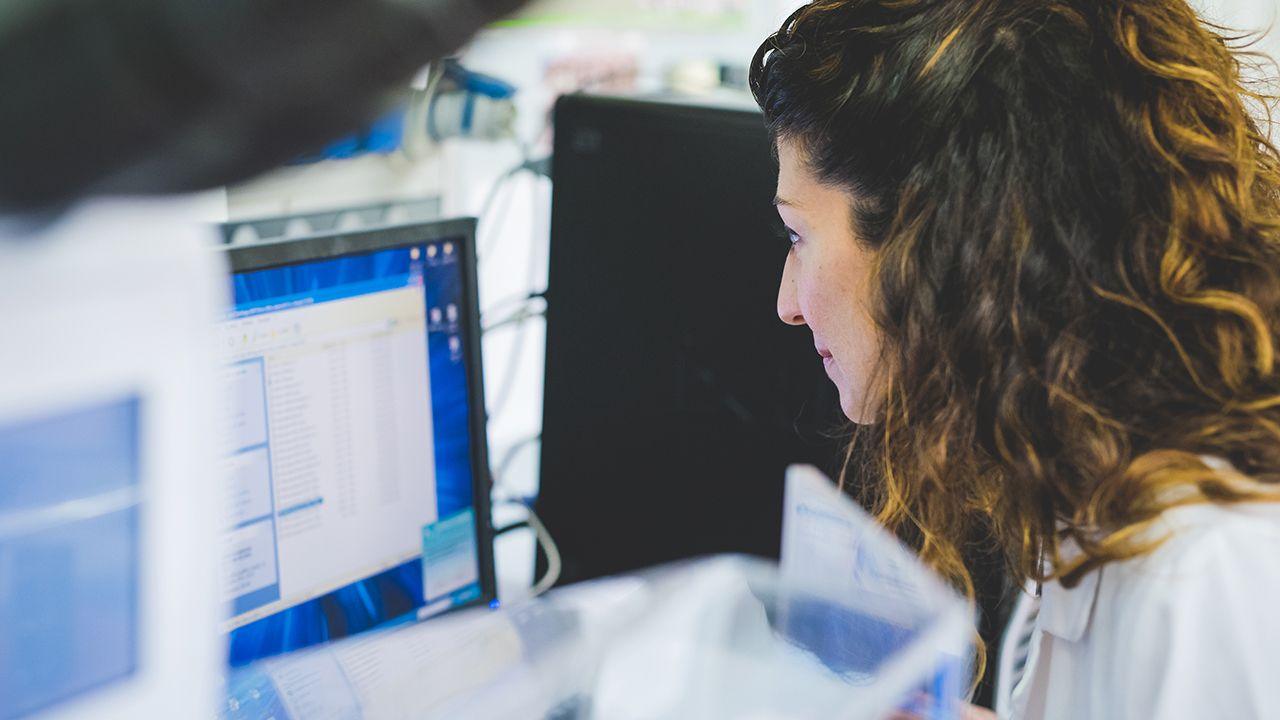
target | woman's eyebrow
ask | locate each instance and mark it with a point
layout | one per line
(779, 200)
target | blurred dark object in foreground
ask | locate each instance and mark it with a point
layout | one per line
(157, 96)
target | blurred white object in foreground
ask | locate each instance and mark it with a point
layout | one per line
(855, 628)
(107, 447)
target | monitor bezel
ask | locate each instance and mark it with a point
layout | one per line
(326, 246)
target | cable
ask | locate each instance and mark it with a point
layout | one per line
(513, 366)
(499, 532)
(544, 540)
(527, 312)
(552, 575)
(512, 453)
(488, 227)
(538, 167)
(520, 320)
(542, 536)
(522, 299)
(491, 223)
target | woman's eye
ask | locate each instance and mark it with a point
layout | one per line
(791, 237)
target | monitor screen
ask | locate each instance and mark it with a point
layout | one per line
(69, 527)
(357, 484)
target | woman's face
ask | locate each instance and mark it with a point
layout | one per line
(826, 281)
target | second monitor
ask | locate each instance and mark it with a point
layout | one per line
(675, 398)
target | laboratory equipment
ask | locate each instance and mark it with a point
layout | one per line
(107, 562)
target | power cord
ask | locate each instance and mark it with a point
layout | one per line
(544, 541)
(531, 521)
(552, 575)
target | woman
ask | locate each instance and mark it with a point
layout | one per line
(1038, 245)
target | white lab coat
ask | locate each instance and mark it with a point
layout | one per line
(1191, 631)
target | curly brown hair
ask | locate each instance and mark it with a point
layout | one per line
(1076, 225)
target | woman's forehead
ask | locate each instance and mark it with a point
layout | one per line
(795, 179)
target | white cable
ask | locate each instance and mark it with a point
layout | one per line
(541, 535)
(553, 555)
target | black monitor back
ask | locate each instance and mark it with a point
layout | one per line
(675, 397)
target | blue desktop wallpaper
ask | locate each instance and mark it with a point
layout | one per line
(394, 593)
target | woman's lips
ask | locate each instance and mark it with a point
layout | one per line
(827, 359)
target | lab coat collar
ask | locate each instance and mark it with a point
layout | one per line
(1065, 613)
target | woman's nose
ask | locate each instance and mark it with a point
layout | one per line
(788, 302)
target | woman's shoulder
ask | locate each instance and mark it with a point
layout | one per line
(1208, 533)
(1204, 548)
(1203, 530)
(1209, 591)
(1209, 560)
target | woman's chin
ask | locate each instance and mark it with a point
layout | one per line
(855, 408)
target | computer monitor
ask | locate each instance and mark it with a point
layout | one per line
(675, 398)
(107, 562)
(358, 485)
